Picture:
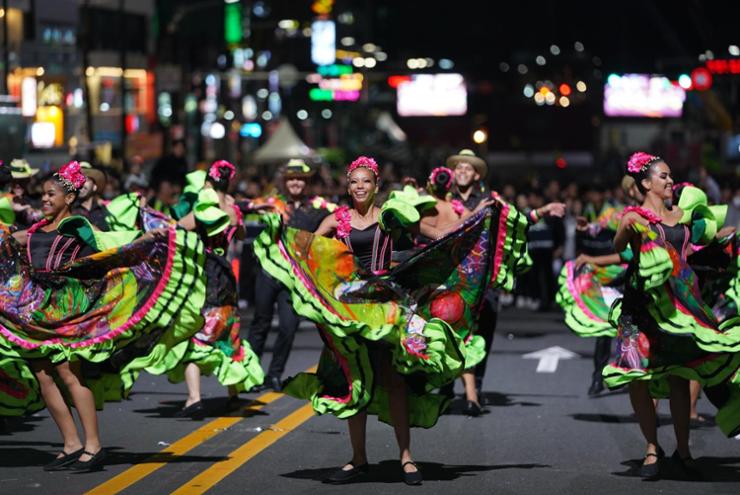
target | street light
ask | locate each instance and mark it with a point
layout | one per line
(480, 136)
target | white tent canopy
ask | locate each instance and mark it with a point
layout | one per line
(283, 145)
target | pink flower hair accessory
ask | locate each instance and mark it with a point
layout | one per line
(215, 171)
(363, 161)
(71, 177)
(638, 161)
(344, 222)
(439, 170)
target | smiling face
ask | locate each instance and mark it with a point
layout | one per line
(362, 186)
(87, 189)
(55, 199)
(465, 174)
(659, 181)
(295, 187)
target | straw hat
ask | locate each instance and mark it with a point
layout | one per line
(297, 169)
(97, 175)
(467, 156)
(20, 169)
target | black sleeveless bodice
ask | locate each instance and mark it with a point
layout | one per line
(49, 250)
(372, 247)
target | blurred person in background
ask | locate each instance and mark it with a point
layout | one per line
(27, 208)
(172, 167)
(89, 202)
(596, 230)
(301, 212)
(545, 244)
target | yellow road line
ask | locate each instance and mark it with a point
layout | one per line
(162, 458)
(208, 478)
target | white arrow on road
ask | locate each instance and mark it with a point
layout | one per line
(549, 358)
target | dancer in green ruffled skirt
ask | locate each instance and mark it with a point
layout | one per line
(666, 334)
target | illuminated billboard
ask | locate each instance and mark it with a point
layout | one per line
(642, 95)
(432, 95)
(323, 42)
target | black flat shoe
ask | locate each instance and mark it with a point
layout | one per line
(194, 410)
(341, 476)
(687, 466)
(652, 470)
(274, 383)
(649, 471)
(414, 478)
(473, 410)
(95, 462)
(64, 461)
(597, 386)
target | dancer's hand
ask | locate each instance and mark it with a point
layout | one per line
(154, 234)
(554, 209)
(582, 260)
(485, 203)
(581, 224)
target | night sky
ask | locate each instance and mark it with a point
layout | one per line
(634, 35)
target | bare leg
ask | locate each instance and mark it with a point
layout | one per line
(695, 389)
(645, 411)
(84, 403)
(471, 393)
(399, 409)
(192, 379)
(58, 409)
(356, 425)
(680, 409)
(233, 394)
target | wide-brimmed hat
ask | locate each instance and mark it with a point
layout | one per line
(95, 174)
(468, 156)
(297, 168)
(20, 169)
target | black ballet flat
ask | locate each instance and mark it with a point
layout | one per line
(414, 478)
(651, 471)
(341, 476)
(687, 466)
(194, 410)
(473, 410)
(64, 461)
(95, 462)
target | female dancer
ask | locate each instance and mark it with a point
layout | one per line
(359, 228)
(389, 345)
(449, 211)
(216, 348)
(666, 334)
(62, 304)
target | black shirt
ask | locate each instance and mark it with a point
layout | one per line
(97, 215)
(306, 216)
(478, 192)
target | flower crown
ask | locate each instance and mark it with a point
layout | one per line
(215, 171)
(439, 170)
(639, 161)
(363, 161)
(70, 176)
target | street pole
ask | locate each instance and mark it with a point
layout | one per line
(85, 78)
(122, 12)
(6, 58)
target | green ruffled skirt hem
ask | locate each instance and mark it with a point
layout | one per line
(212, 360)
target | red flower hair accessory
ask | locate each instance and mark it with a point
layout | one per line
(215, 171)
(638, 161)
(363, 161)
(71, 177)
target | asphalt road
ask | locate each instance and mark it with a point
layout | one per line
(542, 435)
